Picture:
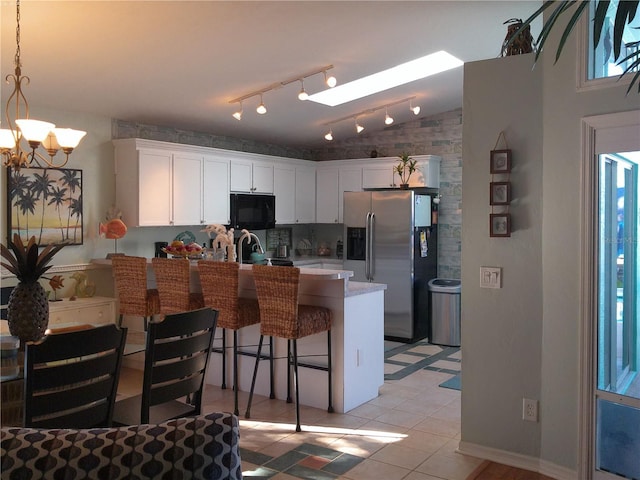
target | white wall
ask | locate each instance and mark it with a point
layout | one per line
(563, 109)
(502, 328)
(94, 156)
(524, 340)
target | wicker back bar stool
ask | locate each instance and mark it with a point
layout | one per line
(172, 280)
(134, 298)
(282, 316)
(219, 281)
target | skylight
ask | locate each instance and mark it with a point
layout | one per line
(386, 79)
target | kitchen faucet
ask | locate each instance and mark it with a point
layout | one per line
(250, 236)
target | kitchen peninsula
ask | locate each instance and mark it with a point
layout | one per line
(357, 337)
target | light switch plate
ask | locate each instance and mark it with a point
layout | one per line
(490, 277)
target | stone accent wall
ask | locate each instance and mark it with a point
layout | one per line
(122, 129)
(439, 134)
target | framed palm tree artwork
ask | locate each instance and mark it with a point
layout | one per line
(47, 203)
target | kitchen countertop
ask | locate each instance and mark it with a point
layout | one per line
(311, 273)
(301, 260)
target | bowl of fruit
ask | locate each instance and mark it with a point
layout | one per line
(178, 249)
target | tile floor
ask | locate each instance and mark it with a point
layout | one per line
(411, 431)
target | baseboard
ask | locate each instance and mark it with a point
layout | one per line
(517, 460)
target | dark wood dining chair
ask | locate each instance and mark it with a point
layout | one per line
(176, 361)
(282, 316)
(71, 378)
(219, 281)
(173, 282)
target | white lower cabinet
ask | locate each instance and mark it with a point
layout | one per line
(93, 311)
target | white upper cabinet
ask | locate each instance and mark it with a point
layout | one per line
(161, 183)
(327, 197)
(215, 191)
(305, 203)
(158, 184)
(284, 188)
(295, 189)
(378, 175)
(143, 187)
(427, 172)
(349, 180)
(187, 189)
(251, 176)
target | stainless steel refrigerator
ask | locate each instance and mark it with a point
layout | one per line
(389, 239)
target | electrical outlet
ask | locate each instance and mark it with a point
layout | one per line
(490, 277)
(529, 410)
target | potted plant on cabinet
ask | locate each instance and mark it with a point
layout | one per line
(28, 307)
(405, 167)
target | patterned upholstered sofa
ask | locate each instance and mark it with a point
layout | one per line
(203, 447)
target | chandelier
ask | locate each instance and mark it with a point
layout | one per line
(35, 132)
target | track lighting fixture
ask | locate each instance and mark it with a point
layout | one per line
(261, 108)
(330, 80)
(329, 135)
(302, 95)
(415, 110)
(388, 120)
(238, 115)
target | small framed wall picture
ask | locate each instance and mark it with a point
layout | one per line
(499, 225)
(499, 193)
(500, 161)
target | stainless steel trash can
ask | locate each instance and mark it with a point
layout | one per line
(445, 311)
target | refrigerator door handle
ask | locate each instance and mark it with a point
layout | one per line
(367, 273)
(371, 252)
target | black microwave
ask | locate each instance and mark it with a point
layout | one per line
(253, 212)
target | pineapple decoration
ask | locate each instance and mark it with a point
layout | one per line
(28, 308)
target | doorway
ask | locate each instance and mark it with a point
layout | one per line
(610, 380)
(617, 389)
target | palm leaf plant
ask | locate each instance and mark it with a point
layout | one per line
(28, 307)
(405, 167)
(625, 12)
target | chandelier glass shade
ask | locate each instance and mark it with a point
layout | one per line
(34, 132)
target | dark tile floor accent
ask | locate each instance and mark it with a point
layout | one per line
(306, 461)
(314, 462)
(425, 362)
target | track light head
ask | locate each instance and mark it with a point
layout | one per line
(387, 119)
(261, 108)
(330, 80)
(302, 95)
(329, 135)
(415, 110)
(359, 128)
(238, 115)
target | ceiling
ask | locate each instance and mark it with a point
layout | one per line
(179, 63)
